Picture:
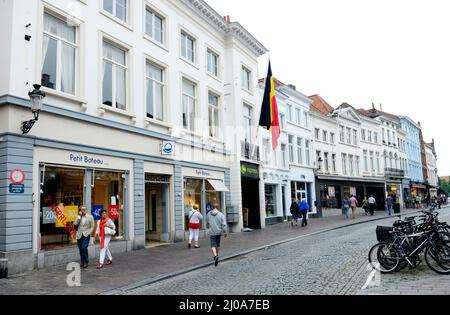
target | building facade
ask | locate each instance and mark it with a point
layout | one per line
(143, 111)
(432, 180)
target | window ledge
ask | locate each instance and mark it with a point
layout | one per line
(160, 45)
(63, 95)
(190, 62)
(218, 79)
(115, 19)
(149, 121)
(247, 91)
(105, 108)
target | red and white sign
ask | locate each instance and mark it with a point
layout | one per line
(17, 176)
(114, 212)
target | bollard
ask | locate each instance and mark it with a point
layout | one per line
(3, 268)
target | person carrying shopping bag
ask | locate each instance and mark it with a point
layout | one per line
(195, 218)
(105, 230)
(346, 207)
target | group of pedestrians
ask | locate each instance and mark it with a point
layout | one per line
(85, 225)
(299, 211)
(369, 205)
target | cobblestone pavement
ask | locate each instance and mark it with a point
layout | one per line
(329, 263)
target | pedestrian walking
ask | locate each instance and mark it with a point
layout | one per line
(195, 218)
(389, 204)
(439, 202)
(366, 206)
(295, 213)
(84, 224)
(346, 207)
(372, 205)
(217, 225)
(105, 230)
(304, 209)
(353, 205)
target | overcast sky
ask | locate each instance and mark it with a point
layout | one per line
(394, 52)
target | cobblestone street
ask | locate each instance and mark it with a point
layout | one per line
(329, 263)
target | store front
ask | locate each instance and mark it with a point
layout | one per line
(157, 211)
(250, 195)
(204, 189)
(394, 189)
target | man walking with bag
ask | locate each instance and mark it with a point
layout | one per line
(84, 225)
(353, 205)
(372, 205)
(217, 225)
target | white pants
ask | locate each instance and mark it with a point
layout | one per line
(105, 251)
(193, 234)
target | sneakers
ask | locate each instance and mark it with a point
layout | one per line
(216, 261)
(189, 245)
(99, 266)
(109, 262)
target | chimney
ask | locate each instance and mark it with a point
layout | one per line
(373, 106)
(227, 18)
(381, 107)
(292, 87)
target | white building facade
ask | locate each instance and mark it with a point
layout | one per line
(432, 171)
(144, 100)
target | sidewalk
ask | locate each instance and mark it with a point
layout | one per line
(145, 265)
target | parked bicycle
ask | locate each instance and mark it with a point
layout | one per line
(402, 245)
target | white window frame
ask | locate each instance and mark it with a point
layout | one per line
(291, 149)
(283, 155)
(247, 118)
(164, 85)
(128, 16)
(165, 26)
(188, 35)
(211, 51)
(344, 164)
(246, 80)
(219, 115)
(289, 112)
(298, 116)
(307, 152)
(299, 145)
(194, 99)
(333, 163)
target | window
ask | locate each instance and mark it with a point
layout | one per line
(213, 63)
(117, 8)
(307, 153)
(114, 76)
(155, 92)
(389, 136)
(333, 163)
(283, 156)
(291, 148)
(363, 134)
(154, 26)
(317, 134)
(349, 135)
(326, 162)
(246, 77)
(187, 47)
(213, 114)
(266, 151)
(247, 122)
(344, 164)
(378, 162)
(357, 166)
(332, 138)
(289, 113)
(383, 135)
(350, 162)
(375, 137)
(283, 121)
(305, 114)
(366, 162)
(298, 114)
(319, 159)
(341, 133)
(355, 137)
(299, 150)
(369, 136)
(59, 52)
(325, 136)
(271, 200)
(372, 162)
(188, 105)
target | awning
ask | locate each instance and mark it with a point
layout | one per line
(419, 186)
(218, 185)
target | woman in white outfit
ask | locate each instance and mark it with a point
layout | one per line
(105, 229)
(195, 217)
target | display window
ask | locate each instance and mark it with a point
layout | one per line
(271, 200)
(62, 193)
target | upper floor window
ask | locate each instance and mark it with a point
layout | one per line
(289, 112)
(298, 114)
(155, 91)
(355, 137)
(189, 105)
(307, 152)
(375, 137)
(246, 78)
(266, 151)
(306, 119)
(341, 134)
(213, 63)
(332, 137)
(214, 122)
(187, 47)
(154, 26)
(317, 134)
(283, 156)
(247, 122)
(324, 136)
(369, 136)
(299, 150)
(349, 135)
(283, 121)
(114, 76)
(59, 52)
(117, 8)
(363, 134)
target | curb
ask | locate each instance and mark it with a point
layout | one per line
(137, 285)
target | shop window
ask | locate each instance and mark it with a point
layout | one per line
(107, 193)
(192, 196)
(61, 196)
(271, 201)
(212, 197)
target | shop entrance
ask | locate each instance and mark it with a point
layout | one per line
(250, 203)
(379, 195)
(156, 209)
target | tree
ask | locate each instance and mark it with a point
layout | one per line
(444, 185)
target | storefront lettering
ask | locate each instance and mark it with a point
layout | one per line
(85, 159)
(202, 173)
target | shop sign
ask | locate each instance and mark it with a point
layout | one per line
(331, 192)
(249, 170)
(96, 212)
(113, 212)
(17, 176)
(168, 148)
(48, 216)
(79, 158)
(353, 191)
(202, 173)
(16, 189)
(155, 178)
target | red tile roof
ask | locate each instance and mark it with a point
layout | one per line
(320, 105)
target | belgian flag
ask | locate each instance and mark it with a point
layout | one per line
(269, 113)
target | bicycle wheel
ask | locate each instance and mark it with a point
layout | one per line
(437, 257)
(384, 258)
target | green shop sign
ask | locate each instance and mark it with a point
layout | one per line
(249, 170)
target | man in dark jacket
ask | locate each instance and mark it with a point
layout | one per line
(304, 208)
(295, 213)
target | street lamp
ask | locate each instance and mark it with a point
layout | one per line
(37, 98)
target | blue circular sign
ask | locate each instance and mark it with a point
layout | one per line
(168, 148)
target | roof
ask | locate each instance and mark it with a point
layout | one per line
(321, 106)
(375, 113)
